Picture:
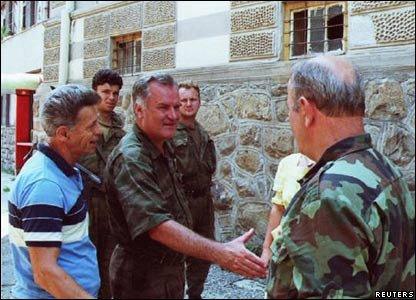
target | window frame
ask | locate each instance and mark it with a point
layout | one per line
(5, 109)
(134, 38)
(288, 27)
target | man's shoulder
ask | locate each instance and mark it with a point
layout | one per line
(362, 174)
(130, 149)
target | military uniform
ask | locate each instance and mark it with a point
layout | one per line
(195, 154)
(349, 231)
(144, 190)
(99, 227)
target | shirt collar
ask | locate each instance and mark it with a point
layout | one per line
(154, 152)
(339, 149)
(62, 164)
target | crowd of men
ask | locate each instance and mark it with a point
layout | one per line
(99, 212)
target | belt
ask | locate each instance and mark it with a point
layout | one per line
(170, 258)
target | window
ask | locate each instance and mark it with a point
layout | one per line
(5, 110)
(9, 19)
(314, 27)
(127, 52)
(29, 14)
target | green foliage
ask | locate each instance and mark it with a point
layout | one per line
(4, 32)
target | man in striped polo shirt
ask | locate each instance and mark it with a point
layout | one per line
(48, 215)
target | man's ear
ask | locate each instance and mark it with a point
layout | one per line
(62, 133)
(138, 110)
(308, 109)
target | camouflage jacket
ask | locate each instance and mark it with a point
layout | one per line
(96, 161)
(349, 231)
(144, 190)
(196, 159)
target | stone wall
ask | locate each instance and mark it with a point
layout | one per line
(253, 29)
(7, 148)
(51, 51)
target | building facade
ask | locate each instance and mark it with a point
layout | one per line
(240, 52)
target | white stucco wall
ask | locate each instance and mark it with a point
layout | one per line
(23, 52)
(200, 25)
(360, 31)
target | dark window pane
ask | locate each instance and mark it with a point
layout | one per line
(335, 27)
(317, 30)
(299, 33)
(138, 56)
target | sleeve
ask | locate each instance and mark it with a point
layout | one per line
(323, 253)
(278, 184)
(140, 196)
(42, 215)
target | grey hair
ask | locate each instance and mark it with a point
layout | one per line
(333, 96)
(141, 86)
(62, 105)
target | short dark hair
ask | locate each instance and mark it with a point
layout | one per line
(107, 76)
(62, 105)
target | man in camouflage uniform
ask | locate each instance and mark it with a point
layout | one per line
(107, 83)
(195, 153)
(349, 231)
(149, 214)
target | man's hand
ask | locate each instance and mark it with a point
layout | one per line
(238, 259)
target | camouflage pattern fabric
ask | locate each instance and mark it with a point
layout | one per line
(349, 231)
(144, 190)
(99, 227)
(196, 160)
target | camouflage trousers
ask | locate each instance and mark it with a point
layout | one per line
(202, 210)
(99, 232)
(134, 277)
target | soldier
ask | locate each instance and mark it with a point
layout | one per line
(107, 83)
(349, 231)
(195, 153)
(148, 210)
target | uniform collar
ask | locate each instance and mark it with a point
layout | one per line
(154, 152)
(339, 149)
(62, 164)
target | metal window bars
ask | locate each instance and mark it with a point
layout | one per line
(127, 57)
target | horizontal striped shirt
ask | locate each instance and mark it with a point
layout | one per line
(47, 209)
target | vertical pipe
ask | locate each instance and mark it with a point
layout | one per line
(65, 42)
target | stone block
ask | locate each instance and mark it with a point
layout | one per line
(278, 142)
(96, 26)
(253, 18)
(250, 135)
(252, 45)
(96, 48)
(225, 145)
(374, 132)
(126, 19)
(245, 187)
(159, 36)
(91, 66)
(51, 73)
(52, 36)
(252, 213)
(399, 145)
(395, 26)
(359, 6)
(385, 100)
(235, 4)
(51, 56)
(157, 12)
(223, 196)
(282, 111)
(253, 105)
(249, 160)
(55, 4)
(213, 120)
(159, 59)
(279, 90)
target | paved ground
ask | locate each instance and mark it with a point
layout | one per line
(220, 284)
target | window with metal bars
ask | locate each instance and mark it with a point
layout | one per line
(29, 14)
(314, 27)
(10, 18)
(127, 52)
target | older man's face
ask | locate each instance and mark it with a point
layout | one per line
(161, 112)
(296, 121)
